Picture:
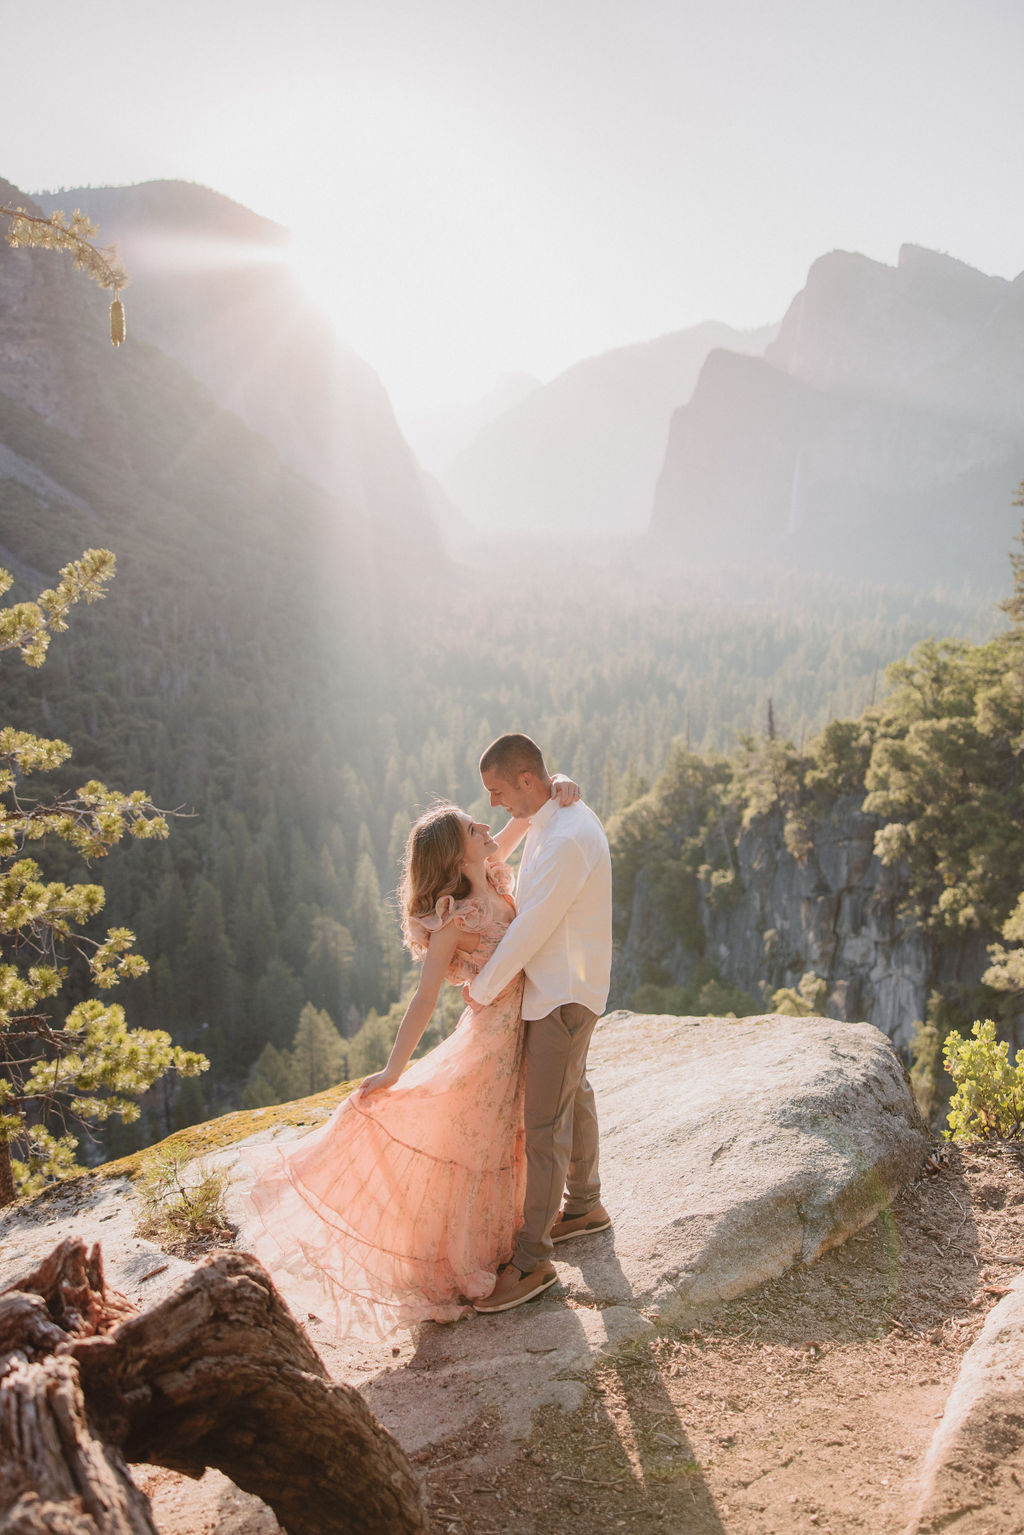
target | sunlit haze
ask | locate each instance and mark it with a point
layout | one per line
(478, 190)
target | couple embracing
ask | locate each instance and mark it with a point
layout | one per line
(446, 1185)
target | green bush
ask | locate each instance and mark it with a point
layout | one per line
(989, 1100)
(675, 1000)
(805, 1000)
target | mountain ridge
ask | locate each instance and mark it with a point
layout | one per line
(581, 453)
(904, 455)
(207, 273)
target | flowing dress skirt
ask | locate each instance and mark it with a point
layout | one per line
(400, 1208)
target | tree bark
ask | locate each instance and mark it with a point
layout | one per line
(58, 1476)
(219, 1374)
(7, 1189)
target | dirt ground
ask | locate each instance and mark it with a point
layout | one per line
(805, 1405)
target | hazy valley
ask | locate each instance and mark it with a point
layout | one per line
(705, 537)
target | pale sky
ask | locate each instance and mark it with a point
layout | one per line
(487, 188)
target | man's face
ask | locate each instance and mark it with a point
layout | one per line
(516, 795)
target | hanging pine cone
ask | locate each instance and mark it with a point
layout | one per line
(117, 326)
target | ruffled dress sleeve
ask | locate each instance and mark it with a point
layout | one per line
(470, 915)
(502, 877)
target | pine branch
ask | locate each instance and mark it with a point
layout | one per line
(75, 236)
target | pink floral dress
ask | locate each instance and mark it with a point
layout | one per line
(401, 1206)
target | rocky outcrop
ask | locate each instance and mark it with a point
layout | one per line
(735, 1148)
(973, 1472)
(774, 917)
(730, 1152)
(881, 432)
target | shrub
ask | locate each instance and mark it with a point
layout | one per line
(180, 1211)
(989, 1100)
(805, 1000)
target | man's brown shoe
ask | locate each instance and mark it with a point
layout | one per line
(567, 1226)
(515, 1288)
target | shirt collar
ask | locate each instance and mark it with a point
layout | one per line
(542, 816)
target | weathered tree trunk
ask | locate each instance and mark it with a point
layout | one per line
(57, 1475)
(219, 1374)
(7, 1189)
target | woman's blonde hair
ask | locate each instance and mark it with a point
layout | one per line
(432, 866)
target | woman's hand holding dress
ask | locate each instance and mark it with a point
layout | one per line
(377, 1082)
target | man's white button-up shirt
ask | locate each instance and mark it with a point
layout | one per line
(562, 932)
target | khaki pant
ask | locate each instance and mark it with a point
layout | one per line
(561, 1128)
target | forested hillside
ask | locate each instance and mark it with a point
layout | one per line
(299, 681)
(876, 872)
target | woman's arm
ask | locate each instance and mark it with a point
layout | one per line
(510, 836)
(417, 1015)
(564, 789)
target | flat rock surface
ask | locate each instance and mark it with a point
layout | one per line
(730, 1151)
(733, 1148)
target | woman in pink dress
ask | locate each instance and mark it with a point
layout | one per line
(403, 1205)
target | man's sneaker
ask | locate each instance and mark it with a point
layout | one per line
(514, 1288)
(567, 1226)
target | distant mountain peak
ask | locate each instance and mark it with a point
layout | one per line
(581, 454)
(883, 430)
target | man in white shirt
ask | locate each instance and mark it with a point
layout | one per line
(562, 938)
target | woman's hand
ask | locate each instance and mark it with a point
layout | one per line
(377, 1082)
(564, 789)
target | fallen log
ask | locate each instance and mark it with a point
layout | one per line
(56, 1476)
(218, 1374)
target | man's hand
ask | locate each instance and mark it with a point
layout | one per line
(565, 790)
(471, 1002)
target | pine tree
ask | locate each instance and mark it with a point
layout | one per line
(370, 1047)
(330, 964)
(88, 1065)
(319, 1058)
(376, 961)
(271, 1080)
(75, 235)
(276, 1004)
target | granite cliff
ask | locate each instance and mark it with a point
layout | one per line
(837, 912)
(581, 454)
(880, 434)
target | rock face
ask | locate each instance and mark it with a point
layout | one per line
(837, 913)
(880, 435)
(582, 453)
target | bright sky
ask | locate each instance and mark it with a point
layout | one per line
(485, 188)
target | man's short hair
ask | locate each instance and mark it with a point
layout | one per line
(511, 755)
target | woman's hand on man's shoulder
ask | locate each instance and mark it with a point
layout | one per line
(565, 790)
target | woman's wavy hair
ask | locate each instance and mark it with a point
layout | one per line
(432, 866)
